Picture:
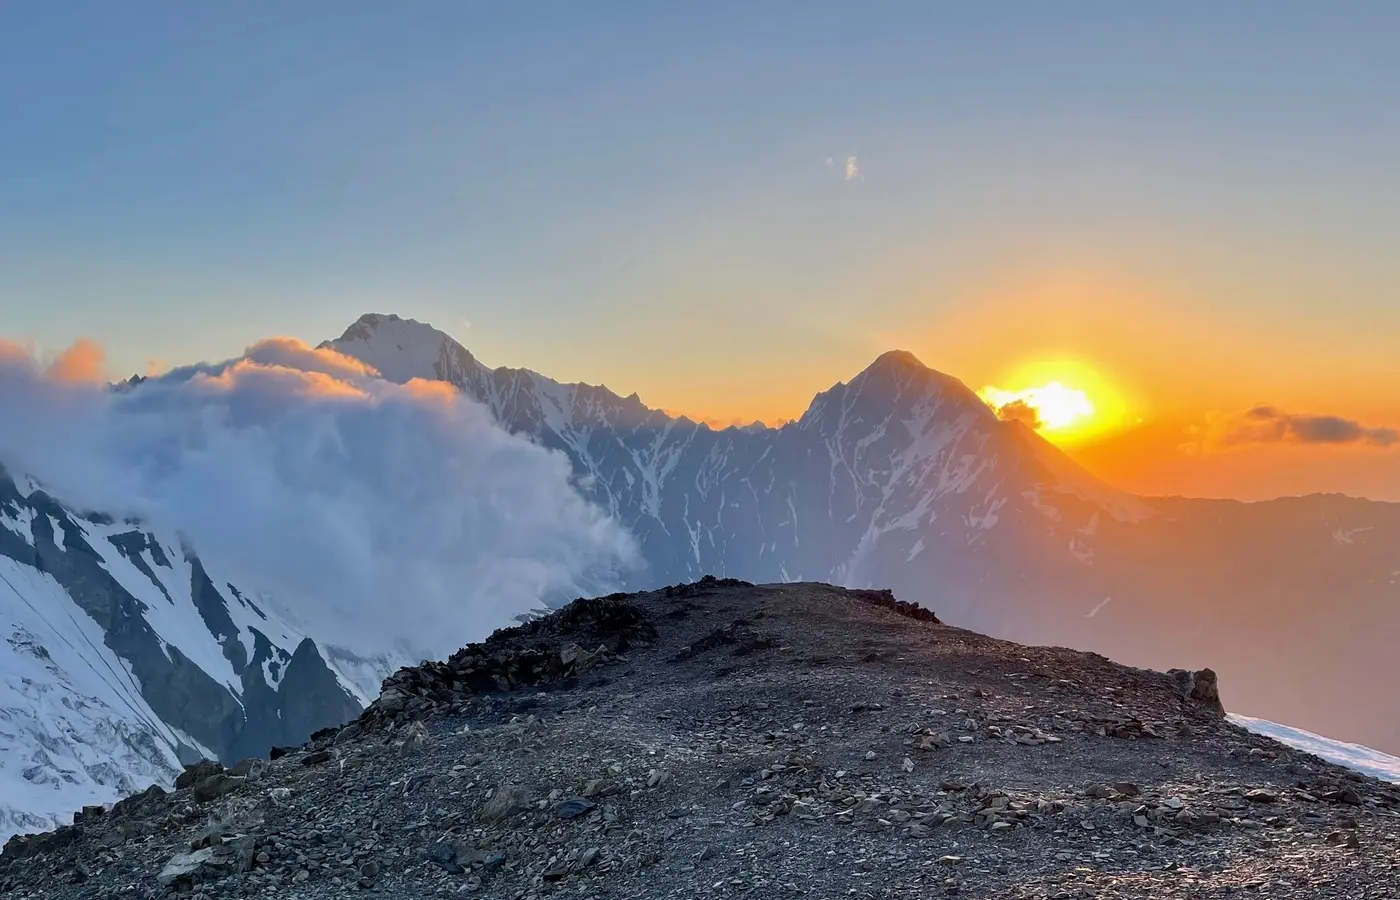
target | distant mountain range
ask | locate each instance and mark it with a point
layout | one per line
(124, 656)
(903, 478)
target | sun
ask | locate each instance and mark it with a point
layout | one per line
(1051, 406)
(1067, 401)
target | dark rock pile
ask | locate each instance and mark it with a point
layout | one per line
(737, 634)
(1200, 686)
(706, 584)
(562, 645)
(886, 600)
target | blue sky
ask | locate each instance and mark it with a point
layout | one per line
(624, 193)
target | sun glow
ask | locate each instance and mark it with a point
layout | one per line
(1050, 406)
(1065, 401)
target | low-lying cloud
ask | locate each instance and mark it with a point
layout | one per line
(383, 515)
(1271, 425)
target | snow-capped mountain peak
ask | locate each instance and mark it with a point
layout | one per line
(404, 349)
(896, 360)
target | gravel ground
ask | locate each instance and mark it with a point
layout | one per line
(730, 740)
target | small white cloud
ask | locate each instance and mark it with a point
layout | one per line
(830, 162)
(853, 169)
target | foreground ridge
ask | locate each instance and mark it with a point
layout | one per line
(723, 739)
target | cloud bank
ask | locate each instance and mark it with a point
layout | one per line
(1271, 425)
(376, 513)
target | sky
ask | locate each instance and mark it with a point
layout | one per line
(728, 207)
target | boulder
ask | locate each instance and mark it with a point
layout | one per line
(185, 868)
(506, 801)
(212, 862)
(148, 799)
(1200, 686)
(574, 807)
(215, 786)
(251, 768)
(196, 772)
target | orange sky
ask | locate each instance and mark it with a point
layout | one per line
(1150, 460)
(1169, 361)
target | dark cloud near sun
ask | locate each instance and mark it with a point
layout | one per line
(1020, 411)
(1270, 425)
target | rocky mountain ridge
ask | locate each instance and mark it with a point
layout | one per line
(722, 739)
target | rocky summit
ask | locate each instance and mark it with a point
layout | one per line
(721, 739)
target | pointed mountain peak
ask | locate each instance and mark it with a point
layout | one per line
(401, 349)
(895, 367)
(896, 360)
(369, 324)
(896, 379)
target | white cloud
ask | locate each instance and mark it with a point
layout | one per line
(380, 514)
(853, 169)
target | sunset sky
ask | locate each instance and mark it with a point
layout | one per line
(731, 206)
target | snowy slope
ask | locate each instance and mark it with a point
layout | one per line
(124, 657)
(1353, 756)
(73, 723)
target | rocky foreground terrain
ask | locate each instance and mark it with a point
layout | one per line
(728, 740)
